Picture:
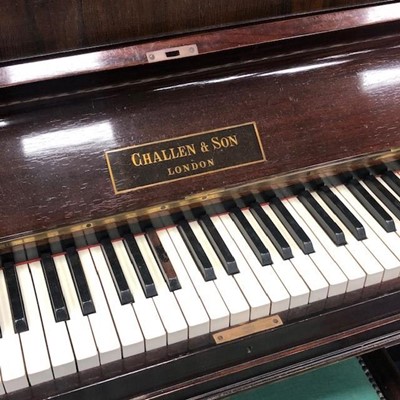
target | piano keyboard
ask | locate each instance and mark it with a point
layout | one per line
(123, 296)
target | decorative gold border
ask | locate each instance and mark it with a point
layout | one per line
(183, 177)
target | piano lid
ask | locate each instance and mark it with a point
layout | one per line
(47, 27)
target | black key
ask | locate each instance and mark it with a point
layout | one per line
(163, 261)
(380, 215)
(53, 286)
(140, 266)
(384, 195)
(251, 237)
(271, 231)
(14, 295)
(322, 217)
(197, 251)
(124, 293)
(291, 225)
(393, 181)
(218, 244)
(342, 212)
(81, 285)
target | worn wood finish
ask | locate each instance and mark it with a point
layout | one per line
(30, 28)
(318, 106)
(210, 42)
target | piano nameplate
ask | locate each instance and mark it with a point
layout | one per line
(170, 160)
(251, 328)
(207, 197)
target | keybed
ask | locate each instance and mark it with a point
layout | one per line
(141, 292)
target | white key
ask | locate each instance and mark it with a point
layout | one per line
(58, 344)
(391, 239)
(78, 325)
(233, 297)
(11, 359)
(190, 276)
(165, 301)
(371, 267)
(385, 257)
(188, 300)
(256, 297)
(273, 287)
(304, 265)
(33, 341)
(124, 317)
(101, 322)
(329, 269)
(354, 273)
(152, 328)
(294, 284)
(395, 219)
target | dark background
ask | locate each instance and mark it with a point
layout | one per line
(38, 27)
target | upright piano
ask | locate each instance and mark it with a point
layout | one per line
(200, 210)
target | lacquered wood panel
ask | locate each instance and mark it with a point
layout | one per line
(207, 43)
(31, 28)
(315, 107)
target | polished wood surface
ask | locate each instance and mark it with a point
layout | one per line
(315, 105)
(210, 42)
(32, 28)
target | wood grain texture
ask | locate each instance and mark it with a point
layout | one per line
(313, 107)
(37, 27)
(207, 43)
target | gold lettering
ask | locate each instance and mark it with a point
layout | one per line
(172, 153)
(136, 160)
(165, 156)
(224, 142)
(146, 159)
(157, 158)
(215, 142)
(182, 151)
(184, 168)
(191, 149)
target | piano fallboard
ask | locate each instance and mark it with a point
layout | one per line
(315, 101)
